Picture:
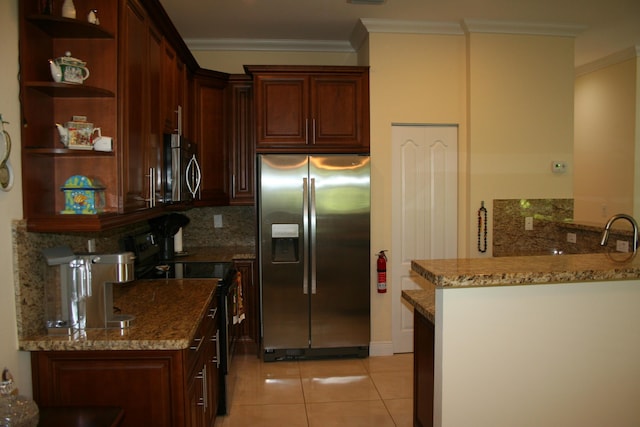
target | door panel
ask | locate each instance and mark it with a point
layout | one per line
(340, 303)
(424, 213)
(285, 306)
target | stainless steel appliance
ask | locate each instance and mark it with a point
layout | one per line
(182, 171)
(81, 296)
(314, 228)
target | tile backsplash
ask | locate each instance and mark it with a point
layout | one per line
(552, 223)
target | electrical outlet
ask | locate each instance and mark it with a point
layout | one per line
(571, 237)
(528, 223)
(622, 246)
(217, 221)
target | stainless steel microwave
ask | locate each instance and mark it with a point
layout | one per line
(181, 169)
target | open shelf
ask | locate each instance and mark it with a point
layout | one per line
(67, 28)
(66, 90)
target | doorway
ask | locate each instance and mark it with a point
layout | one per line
(424, 213)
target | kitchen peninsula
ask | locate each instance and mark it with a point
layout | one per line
(528, 341)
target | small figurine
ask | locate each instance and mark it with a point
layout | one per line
(92, 17)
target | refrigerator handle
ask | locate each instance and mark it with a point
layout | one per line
(312, 245)
(305, 235)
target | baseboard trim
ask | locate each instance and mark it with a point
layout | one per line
(381, 348)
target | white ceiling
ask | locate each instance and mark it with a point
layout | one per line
(609, 26)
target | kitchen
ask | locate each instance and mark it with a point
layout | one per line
(395, 79)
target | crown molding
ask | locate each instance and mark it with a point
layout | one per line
(615, 58)
(371, 25)
(284, 45)
(365, 26)
(528, 28)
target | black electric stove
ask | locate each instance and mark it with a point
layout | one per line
(149, 265)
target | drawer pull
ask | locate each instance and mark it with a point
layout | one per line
(197, 344)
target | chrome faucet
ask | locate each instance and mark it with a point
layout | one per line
(605, 233)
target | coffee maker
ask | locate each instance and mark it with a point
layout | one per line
(79, 291)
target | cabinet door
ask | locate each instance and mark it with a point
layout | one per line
(212, 149)
(133, 68)
(240, 127)
(169, 105)
(339, 110)
(143, 383)
(141, 66)
(154, 149)
(282, 110)
(423, 362)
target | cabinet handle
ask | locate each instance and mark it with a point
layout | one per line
(152, 188)
(198, 343)
(204, 387)
(313, 131)
(179, 118)
(306, 131)
(216, 339)
(212, 313)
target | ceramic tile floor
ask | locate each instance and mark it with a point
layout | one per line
(371, 392)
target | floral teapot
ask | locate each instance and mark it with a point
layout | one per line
(66, 69)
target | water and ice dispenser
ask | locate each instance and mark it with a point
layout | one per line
(285, 239)
(79, 290)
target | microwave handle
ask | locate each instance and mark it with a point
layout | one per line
(193, 176)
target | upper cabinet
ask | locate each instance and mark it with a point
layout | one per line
(213, 151)
(133, 55)
(240, 134)
(311, 109)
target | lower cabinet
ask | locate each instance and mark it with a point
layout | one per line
(172, 388)
(423, 359)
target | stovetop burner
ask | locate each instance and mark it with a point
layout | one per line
(148, 264)
(188, 270)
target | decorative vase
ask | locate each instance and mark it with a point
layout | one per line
(68, 9)
(15, 410)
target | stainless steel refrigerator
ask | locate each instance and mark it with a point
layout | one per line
(314, 227)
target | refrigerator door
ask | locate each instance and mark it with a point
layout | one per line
(283, 250)
(339, 191)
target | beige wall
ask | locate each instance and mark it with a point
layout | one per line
(520, 120)
(11, 201)
(606, 109)
(413, 79)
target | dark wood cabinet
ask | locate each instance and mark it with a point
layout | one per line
(46, 162)
(140, 71)
(172, 388)
(213, 150)
(423, 359)
(311, 109)
(248, 332)
(137, 62)
(240, 133)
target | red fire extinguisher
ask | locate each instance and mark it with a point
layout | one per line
(382, 272)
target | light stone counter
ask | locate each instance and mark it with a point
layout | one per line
(167, 313)
(522, 270)
(451, 273)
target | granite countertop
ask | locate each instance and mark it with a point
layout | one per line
(167, 313)
(520, 270)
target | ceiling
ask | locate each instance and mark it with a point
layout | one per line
(606, 26)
